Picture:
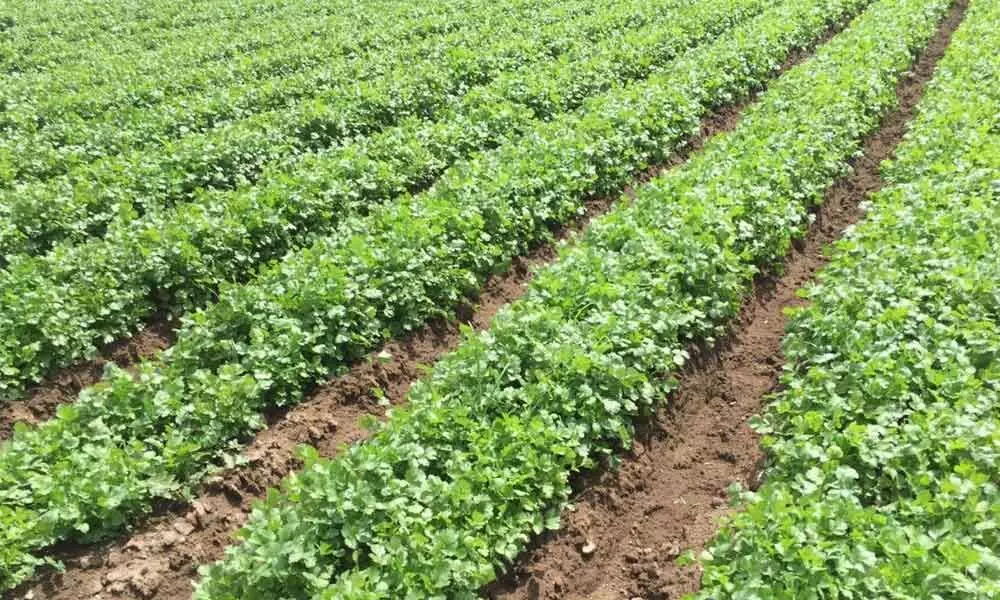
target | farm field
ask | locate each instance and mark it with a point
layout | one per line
(304, 300)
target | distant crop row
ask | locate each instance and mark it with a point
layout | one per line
(330, 105)
(134, 71)
(885, 443)
(53, 35)
(454, 486)
(65, 140)
(60, 307)
(232, 137)
(104, 459)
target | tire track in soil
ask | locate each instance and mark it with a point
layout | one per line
(40, 401)
(670, 490)
(159, 559)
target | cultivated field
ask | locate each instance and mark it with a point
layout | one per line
(534, 300)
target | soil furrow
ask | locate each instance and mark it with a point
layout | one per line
(630, 524)
(41, 401)
(159, 560)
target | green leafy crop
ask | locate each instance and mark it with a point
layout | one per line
(885, 442)
(454, 485)
(61, 307)
(178, 148)
(71, 117)
(103, 460)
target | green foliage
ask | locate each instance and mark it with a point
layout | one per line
(119, 97)
(455, 485)
(885, 442)
(59, 308)
(226, 138)
(104, 459)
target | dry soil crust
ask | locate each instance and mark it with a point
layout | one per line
(630, 524)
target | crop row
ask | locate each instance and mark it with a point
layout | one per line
(94, 69)
(196, 138)
(885, 442)
(37, 215)
(33, 20)
(76, 297)
(115, 79)
(71, 140)
(103, 460)
(454, 486)
(48, 37)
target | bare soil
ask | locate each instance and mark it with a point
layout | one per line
(669, 493)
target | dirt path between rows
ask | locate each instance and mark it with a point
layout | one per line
(669, 493)
(159, 560)
(41, 401)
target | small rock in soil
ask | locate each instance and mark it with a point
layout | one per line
(117, 587)
(118, 574)
(92, 587)
(148, 584)
(169, 538)
(183, 527)
(671, 551)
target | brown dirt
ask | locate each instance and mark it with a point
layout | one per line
(668, 494)
(41, 401)
(159, 559)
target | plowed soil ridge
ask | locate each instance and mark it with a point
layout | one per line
(669, 493)
(159, 559)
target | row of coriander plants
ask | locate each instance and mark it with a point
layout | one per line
(35, 216)
(60, 306)
(455, 485)
(885, 442)
(102, 461)
(50, 113)
(79, 206)
(149, 70)
(167, 152)
(42, 145)
(45, 36)
(35, 20)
